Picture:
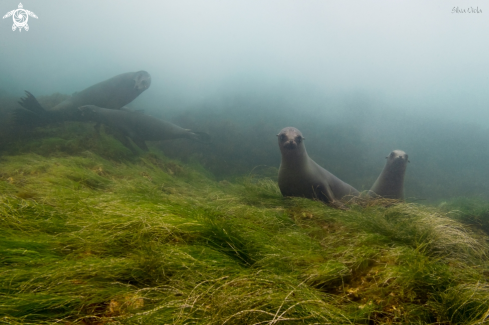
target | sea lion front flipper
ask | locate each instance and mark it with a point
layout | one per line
(327, 196)
(140, 143)
(324, 193)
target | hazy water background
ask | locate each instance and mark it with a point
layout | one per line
(358, 78)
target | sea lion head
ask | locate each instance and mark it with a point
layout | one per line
(142, 80)
(397, 159)
(291, 140)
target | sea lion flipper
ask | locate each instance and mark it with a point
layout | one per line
(30, 103)
(325, 193)
(327, 196)
(28, 115)
(31, 114)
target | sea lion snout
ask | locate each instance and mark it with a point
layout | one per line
(398, 155)
(404, 158)
(142, 84)
(291, 144)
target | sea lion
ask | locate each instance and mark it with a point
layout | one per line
(113, 93)
(390, 183)
(300, 176)
(138, 127)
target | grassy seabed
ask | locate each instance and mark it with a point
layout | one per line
(148, 240)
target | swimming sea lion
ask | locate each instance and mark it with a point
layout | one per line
(390, 183)
(300, 176)
(113, 93)
(138, 127)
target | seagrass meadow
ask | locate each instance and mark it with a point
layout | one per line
(92, 234)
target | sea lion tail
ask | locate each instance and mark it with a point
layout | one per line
(202, 137)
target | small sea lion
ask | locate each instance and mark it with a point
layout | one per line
(390, 183)
(300, 176)
(138, 127)
(113, 93)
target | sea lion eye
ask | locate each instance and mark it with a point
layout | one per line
(282, 137)
(298, 139)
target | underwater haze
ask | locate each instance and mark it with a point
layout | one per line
(154, 170)
(358, 78)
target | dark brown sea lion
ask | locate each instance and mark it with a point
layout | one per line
(113, 93)
(300, 176)
(138, 127)
(390, 183)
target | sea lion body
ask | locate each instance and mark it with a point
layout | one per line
(137, 126)
(301, 176)
(113, 93)
(390, 183)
